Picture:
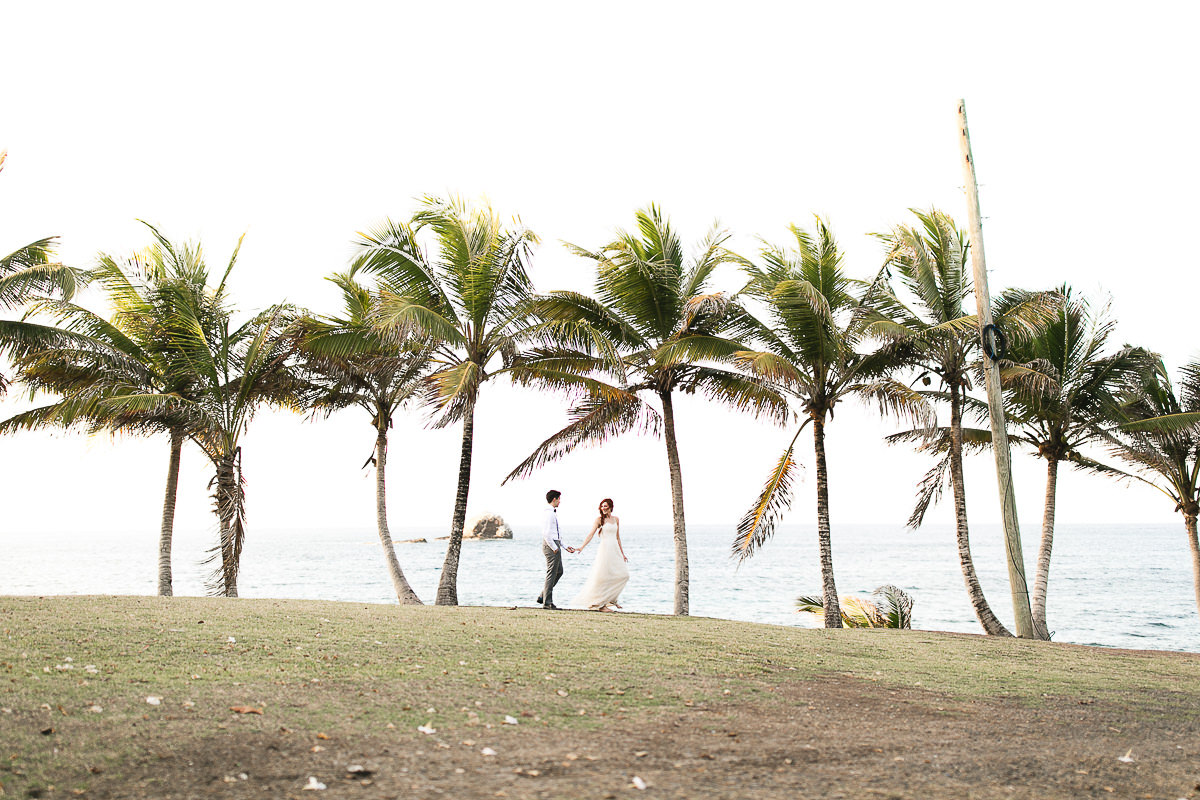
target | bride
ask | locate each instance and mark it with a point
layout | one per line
(609, 573)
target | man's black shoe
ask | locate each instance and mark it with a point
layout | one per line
(551, 607)
(539, 600)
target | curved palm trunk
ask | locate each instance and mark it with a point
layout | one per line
(681, 554)
(228, 512)
(447, 594)
(991, 625)
(1042, 578)
(1189, 521)
(167, 533)
(829, 596)
(404, 592)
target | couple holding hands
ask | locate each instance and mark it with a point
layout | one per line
(609, 573)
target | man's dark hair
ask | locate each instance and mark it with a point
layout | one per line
(552, 494)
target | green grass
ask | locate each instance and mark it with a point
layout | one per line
(355, 669)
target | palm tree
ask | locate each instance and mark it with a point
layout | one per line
(472, 302)
(96, 362)
(349, 361)
(890, 607)
(810, 352)
(229, 371)
(1062, 392)
(1160, 438)
(236, 370)
(655, 328)
(930, 262)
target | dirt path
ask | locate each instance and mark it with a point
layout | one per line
(829, 738)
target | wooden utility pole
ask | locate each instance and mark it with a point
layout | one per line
(991, 341)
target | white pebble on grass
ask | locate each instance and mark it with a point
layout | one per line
(427, 729)
(154, 701)
(638, 782)
(314, 785)
(487, 751)
(510, 720)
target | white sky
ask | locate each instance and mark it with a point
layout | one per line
(301, 124)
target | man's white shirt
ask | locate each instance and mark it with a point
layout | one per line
(550, 534)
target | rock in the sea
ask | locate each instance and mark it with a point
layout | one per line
(487, 526)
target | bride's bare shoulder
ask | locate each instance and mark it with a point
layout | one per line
(614, 518)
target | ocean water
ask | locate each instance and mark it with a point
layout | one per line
(1110, 585)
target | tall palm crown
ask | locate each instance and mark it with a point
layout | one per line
(1062, 384)
(130, 352)
(471, 300)
(816, 325)
(1160, 438)
(350, 361)
(1063, 389)
(654, 327)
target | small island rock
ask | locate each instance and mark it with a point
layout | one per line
(487, 526)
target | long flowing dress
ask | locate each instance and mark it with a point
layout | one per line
(609, 573)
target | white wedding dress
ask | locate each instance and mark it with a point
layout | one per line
(609, 573)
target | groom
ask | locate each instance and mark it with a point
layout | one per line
(552, 548)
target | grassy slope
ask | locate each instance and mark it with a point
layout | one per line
(349, 669)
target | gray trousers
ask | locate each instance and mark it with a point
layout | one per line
(554, 571)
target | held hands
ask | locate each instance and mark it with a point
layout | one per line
(570, 549)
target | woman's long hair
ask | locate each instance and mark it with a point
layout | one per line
(603, 515)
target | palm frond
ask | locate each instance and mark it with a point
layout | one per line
(929, 490)
(1181, 422)
(1094, 467)
(758, 523)
(772, 367)
(742, 393)
(403, 314)
(898, 399)
(609, 412)
(893, 607)
(693, 348)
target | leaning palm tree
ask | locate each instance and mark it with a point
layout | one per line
(930, 263)
(1160, 438)
(1062, 391)
(811, 352)
(656, 328)
(349, 361)
(95, 362)
(471, 301)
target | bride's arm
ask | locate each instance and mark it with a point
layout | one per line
(621, 546)
(595, 527)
